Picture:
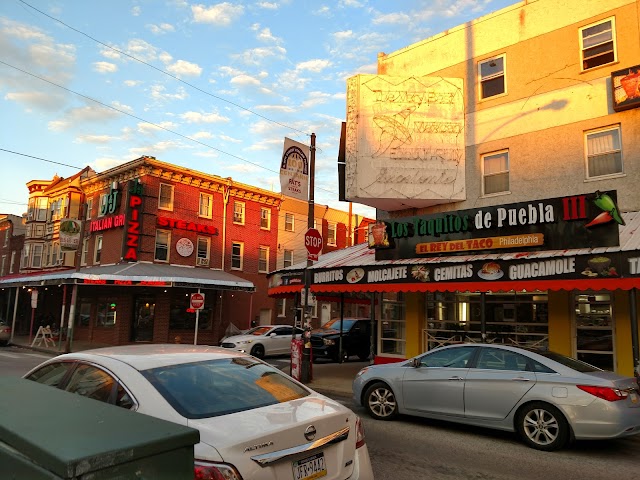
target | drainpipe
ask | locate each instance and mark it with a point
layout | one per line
(15, 312)
(225, 199)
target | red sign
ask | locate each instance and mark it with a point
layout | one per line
(184, 225)
(107, 223)
(313, 243)
(133, 224)
(197, 301)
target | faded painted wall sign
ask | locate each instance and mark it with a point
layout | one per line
(405, 140)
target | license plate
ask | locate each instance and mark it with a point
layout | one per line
(310, 468)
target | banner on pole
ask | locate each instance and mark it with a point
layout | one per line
(294, 170)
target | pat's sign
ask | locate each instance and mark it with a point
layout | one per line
(578, 221)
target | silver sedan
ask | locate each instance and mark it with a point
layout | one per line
(547, 398)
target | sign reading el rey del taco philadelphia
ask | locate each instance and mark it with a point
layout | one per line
(404, 142)
(294, 170)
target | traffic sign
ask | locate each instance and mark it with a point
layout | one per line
(313, 243)
(197, 301)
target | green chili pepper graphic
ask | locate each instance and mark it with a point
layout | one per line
(606, 203)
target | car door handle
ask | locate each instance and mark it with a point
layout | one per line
(455, 378)
(521, 379)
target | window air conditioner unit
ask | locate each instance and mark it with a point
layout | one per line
(202, 261)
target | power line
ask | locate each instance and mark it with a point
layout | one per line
(39, 158)
(162, 71)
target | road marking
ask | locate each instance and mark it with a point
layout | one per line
(38, 355)
(9, 355)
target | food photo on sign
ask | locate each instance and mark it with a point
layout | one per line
(625, 85)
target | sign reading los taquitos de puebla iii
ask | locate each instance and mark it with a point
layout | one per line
(577, 221)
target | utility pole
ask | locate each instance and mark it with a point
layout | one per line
(74, 291)
(305, 376)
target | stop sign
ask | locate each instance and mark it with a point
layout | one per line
(197, 301)
(313, 241)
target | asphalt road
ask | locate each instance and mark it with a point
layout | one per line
(416, 449)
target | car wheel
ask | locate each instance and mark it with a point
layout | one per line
(363, 355)
(542, 426)
(380, 402)
(336, 356)
(257, 351)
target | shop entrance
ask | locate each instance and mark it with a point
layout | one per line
(144, 319)
(594, 329)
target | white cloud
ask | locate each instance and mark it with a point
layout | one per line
(161, 29)
(230, 71)
(136, 11)
(150, 128)
(323, 11)
(155, 148)
(201, 134)
(227, 138)
(256, 56)
(197, 117)
(268, 5)
(98, 139)
(42, 100)
(396, 18)
(221, 14)
(81, 116)
(121, 106)
(132, 83)
(315, 65)
(244, 80)
(207, 154)
(245, 168)
(185, 69)
(158, 92)
(105, 67)
(275, 108)
(266, 36)
(343, 35)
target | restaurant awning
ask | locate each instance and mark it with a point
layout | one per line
(135, 274)
(355, 269)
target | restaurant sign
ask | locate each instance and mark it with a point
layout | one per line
(575, 267)
(578, 221)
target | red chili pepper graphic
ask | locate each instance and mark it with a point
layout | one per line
(604, 217)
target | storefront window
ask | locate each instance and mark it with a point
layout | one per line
(107, 313)
(83, 313)
(182, 317)
(518, 319)
(393, 325)
(594, 330)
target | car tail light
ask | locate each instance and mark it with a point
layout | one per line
(606, 393)
(359, 433)
(215, 471)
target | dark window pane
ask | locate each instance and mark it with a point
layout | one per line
(51, 374)
(494, 86)
(91, 382)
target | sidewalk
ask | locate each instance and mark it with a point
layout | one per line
(327, 378)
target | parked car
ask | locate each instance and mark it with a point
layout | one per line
(5, 333)
(263, 340)
(547, 398)
(356, 339)
(255, 422)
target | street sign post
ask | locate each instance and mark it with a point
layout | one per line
(197, 303)
(313, 244)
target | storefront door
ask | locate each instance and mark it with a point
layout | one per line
(594, 329)
(143, 319)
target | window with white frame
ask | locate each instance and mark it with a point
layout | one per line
(7, 234)
(48, 250)
(237, 249)
(238, 213)
(57, 254)
(288, 222)
(597, 43)
(331, 234)
(263, 259)
(36, 259)
(288, 258)
(89, 207)
(206, 202)
(495, 172)
(85, 251)
(604, 152)
(4, 264)
(281, 307)
(165, 199)
(202, 254)
(12, 262)
(492, 77)
(265, 218)
(98, 250)
(26, 251)
(163, 240)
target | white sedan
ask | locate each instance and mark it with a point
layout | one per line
(255, 422)
(263, 340)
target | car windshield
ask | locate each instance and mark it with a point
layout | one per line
(335, 324)
(257, 331)
(220, 387)
(577, 365)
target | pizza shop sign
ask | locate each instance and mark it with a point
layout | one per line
(579, 221)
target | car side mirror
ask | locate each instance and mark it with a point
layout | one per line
(415, 363)
(272, 334)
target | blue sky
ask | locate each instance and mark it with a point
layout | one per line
(210, 86)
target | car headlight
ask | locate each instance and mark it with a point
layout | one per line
(328, 341)
(362, 371)
(244, 342)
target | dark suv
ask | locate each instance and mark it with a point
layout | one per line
(356, 339)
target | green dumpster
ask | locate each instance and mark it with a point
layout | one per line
(46, 433)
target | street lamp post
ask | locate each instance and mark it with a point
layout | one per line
(305, 374)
